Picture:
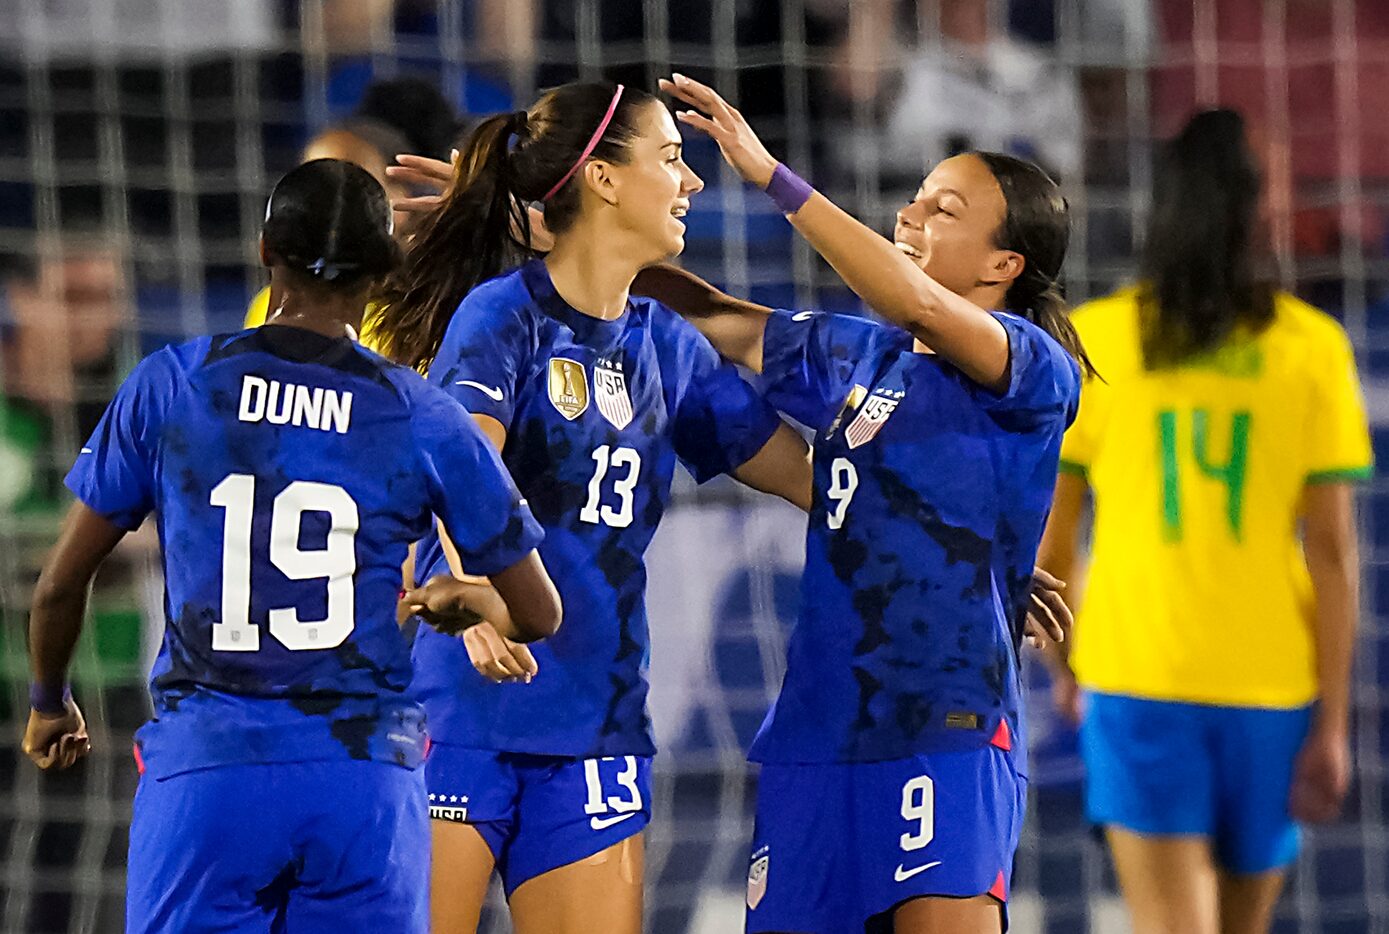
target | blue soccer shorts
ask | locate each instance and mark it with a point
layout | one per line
(838, 846)
(538, 813)
(299, 848)
(1164, 768)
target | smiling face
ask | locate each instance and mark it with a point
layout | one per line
(950, 228)
(652, 189)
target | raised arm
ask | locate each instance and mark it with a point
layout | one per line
(885, 278)
(732, 325)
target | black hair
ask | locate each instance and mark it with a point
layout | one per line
(417, 110)
(1199, 279)
(330, 220)
(1037, 226)
(482, 227)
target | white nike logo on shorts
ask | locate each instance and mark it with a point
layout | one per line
(603, 823)
(492, 392)
(803, 316)
(903, 874)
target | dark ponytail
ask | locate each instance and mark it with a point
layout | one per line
(1037, 227)
(481, 228)
(1199, 279)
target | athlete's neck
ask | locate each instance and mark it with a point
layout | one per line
(590, 275)
(332, 314)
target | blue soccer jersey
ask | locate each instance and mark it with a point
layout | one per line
(597, 413)
(289, 473)
(930, 497)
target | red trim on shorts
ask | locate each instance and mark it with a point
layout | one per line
(428, 745)
(1002, 738)
(139, 759)
(1000, 888)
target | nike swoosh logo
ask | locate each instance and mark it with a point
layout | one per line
(492, 392)
(86, 450)
(903, 874)
(803, 316)
(603, 823)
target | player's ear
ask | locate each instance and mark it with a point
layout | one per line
(601, 180)
(264, 253)
(1003, 267)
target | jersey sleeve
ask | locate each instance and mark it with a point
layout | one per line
(720, 420)
(1079, 444)
(808, 362)
(114, 474)
(1043, 380)
(480, 359)
(1338, 436)
(469, 488)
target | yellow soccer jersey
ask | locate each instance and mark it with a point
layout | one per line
(1198, 590)
(260, 307)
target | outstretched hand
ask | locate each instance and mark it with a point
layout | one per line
(725, 125)
(434, 177)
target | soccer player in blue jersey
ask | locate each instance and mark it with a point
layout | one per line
(289, 470)
(592, 396)
(894, 769)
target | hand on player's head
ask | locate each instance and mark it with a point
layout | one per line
(56, 742)
(725, 125)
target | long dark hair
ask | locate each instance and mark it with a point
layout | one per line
(482, 228)
(1199, 279)
(1037, 226)
(330, 222)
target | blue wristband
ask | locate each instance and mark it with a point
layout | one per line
(47, 699)
(788, 191)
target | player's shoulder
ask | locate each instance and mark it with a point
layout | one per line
(1297, 320)
(173, 362)
(501, 297)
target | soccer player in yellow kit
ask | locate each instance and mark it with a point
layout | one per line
(1213, 649)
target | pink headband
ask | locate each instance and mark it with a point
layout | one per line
(592, 143)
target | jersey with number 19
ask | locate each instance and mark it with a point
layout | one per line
(289, 473)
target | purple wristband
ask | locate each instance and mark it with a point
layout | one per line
(45, 698)
(788, 190)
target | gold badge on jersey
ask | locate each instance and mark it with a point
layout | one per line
(568, 387)
(851, 402)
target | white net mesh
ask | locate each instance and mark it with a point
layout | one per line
(137, 141)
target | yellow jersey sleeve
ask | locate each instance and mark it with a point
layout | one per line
(1338, 435)
(1102, 325)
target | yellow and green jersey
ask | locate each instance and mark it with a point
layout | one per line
(1198, 588)
(259, 308)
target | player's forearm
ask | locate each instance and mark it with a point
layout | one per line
(55, 625)
(732, 325)
(1335, 580)
(782, 468)
(896, 288)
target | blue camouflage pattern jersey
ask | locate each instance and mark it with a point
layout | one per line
(289, 473)
(597, 413)
(930, 497)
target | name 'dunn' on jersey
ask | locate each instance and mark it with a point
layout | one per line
(279, 403)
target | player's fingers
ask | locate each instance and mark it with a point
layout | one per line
(701, 123)
(526, 659)
(420, 205)
(1053, 614)
(1046, 624)
(424, 165)
(503, 666)
(702, 96)
(1047, 579)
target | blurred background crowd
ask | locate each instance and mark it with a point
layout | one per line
(139, 139)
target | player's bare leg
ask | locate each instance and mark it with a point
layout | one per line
(600, 893)
(1169, 883)
(979, 915)
(1247, 901)
(460, 870)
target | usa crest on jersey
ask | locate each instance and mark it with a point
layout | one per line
(610, 392)
(871, 418)
(568, 386)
